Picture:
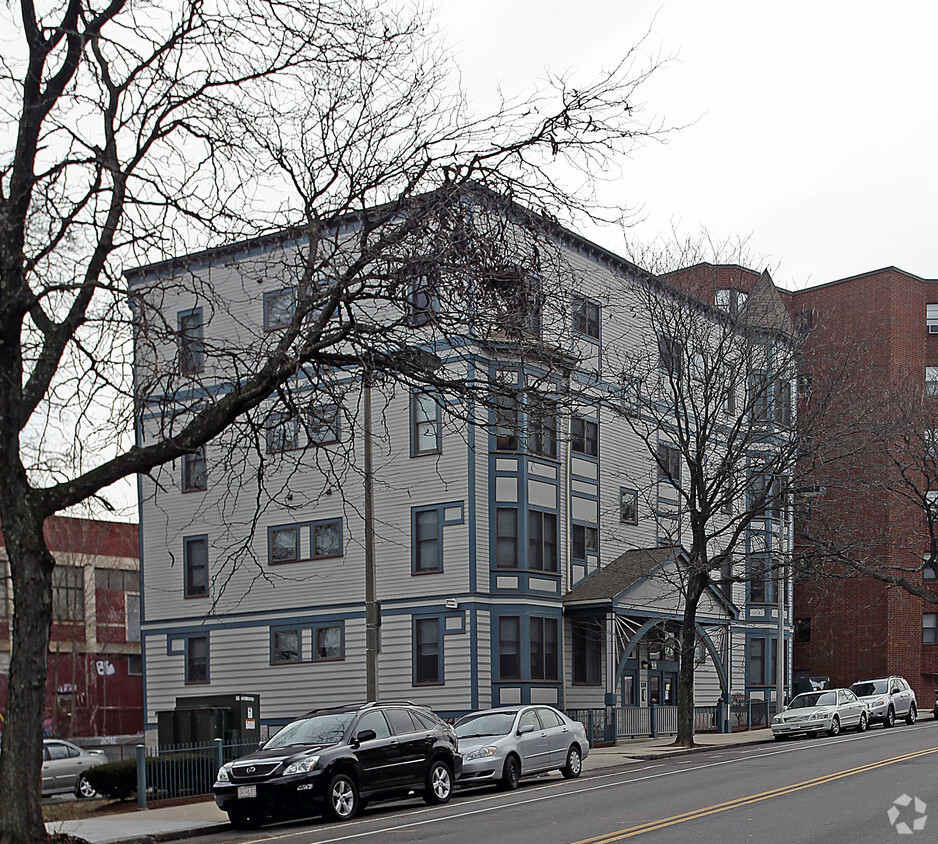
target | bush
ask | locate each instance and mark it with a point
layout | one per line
(114, 780)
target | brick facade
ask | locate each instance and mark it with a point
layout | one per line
(860, 627)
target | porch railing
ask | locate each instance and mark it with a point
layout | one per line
(651, 721)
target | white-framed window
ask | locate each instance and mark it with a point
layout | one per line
(930, 628)
(931, 318)
(931, 380)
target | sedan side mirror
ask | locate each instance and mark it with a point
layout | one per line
(526, 728)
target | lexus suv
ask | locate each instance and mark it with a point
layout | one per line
(333, 761)
(888, 698)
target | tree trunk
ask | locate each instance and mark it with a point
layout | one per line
(685, 685)
(31, 567)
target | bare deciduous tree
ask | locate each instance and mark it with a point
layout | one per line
(136, 132)
(710, 400)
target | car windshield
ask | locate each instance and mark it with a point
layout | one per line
(814, 699)
(487, 724)
(319, 729)
(870, 687)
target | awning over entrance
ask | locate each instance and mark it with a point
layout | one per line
(638, 599)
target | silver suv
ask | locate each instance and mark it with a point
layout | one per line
(888, 698)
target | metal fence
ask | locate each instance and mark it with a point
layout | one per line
(650, 721)
(182, 770)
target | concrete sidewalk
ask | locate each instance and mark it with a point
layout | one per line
(173, 822)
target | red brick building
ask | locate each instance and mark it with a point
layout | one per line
(851, 629)
(94, 685)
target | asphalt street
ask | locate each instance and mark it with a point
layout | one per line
(854, 788)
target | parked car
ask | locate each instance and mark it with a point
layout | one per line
(887, 698)
(831, 710)
(335, 760)
(64, 765)
(502, 745)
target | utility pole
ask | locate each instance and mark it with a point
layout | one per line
(782, 588)
(371, 606)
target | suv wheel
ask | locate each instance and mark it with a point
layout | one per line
(890, 717)
(439, 784)
(341, 798)
(913, 714)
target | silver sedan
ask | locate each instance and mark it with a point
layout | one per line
(502, 745)
(64, 765)
(830, 710)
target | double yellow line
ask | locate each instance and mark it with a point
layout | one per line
(652, 826)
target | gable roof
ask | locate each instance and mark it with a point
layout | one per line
(625, 571)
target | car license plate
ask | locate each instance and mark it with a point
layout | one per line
(245, 792)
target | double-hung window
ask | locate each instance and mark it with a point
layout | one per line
(542, 541)
(196, 659)
(424, 424)
(781, 402)
(930, 628)
(585, 317)
(758, 397)
(324, 422)
(628, 506)
(195, 565)
(428, 651)
(194, 476)
(428, 541)
(505, 419)
(931, 318)
(757, 661)
(68, 593)
(542, 428)
(670, 356)
(509, 647)
(584, 436)
(585, 539)
(545, 654)
(279, 306)
(423, 304)
(506, 538)
(669, 464)
(281, 431)
(191, 342)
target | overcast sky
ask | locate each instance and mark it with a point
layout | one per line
(816, 130)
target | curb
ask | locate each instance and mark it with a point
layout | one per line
(154, 837)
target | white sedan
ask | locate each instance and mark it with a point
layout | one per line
(831, 710)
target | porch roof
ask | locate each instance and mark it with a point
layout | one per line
(630, 572)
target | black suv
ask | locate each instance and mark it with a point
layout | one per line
(334, 760)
